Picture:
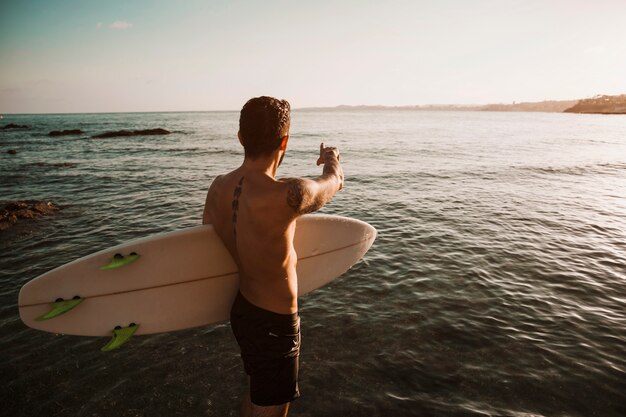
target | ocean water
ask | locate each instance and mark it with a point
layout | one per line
(496, 287)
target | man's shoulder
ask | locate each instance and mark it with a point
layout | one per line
(292, 186)
(296, 193)
(222, 180)
(290, 182)
(270, 197)
(215, 184)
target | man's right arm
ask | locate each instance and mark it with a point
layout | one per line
(308, 195)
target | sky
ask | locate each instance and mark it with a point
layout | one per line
(186, 55)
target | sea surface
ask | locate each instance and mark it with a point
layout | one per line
(496, 287)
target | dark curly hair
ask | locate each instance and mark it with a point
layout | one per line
(263, 123)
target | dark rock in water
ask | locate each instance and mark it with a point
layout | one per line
(7, 220)
(16, 205)
(25, 214)
(65, 132)
(145, 132)
(12, 212)
(12, 152)
(46, 208)
(14, 126)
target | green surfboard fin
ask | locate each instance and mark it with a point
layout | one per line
(121, 335)
(60, 307)
(120, 260)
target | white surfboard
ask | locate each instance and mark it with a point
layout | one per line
(177, 280)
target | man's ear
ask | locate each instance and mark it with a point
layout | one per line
(283, 144)
(240, 139)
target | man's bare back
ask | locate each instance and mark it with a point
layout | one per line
(254, 214)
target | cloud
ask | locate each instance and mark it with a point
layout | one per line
(120, 24)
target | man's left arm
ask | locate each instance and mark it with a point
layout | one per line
(206, 215)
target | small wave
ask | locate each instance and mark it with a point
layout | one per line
(52, 165)
(606, 168)
(306, 135)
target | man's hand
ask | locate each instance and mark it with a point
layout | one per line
(327, 152)
(329, 156)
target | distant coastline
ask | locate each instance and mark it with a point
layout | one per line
(543, 106)
(594, 105)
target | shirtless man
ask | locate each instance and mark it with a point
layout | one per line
(254, 214)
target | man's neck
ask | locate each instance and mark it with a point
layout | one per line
(263, 164)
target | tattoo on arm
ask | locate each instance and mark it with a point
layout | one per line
(295, 191)
(300, 199)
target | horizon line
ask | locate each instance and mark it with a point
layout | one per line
(451, 106)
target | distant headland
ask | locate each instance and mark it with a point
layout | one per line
(600, 105)
(594, 105)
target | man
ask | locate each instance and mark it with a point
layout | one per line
(254, 214)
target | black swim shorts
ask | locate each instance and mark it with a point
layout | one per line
(270, 349)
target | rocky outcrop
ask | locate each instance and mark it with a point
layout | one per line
(65, 132)
(14, 126)
(12, 152)
(15, 211)
(121, 133)
(600, 105)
